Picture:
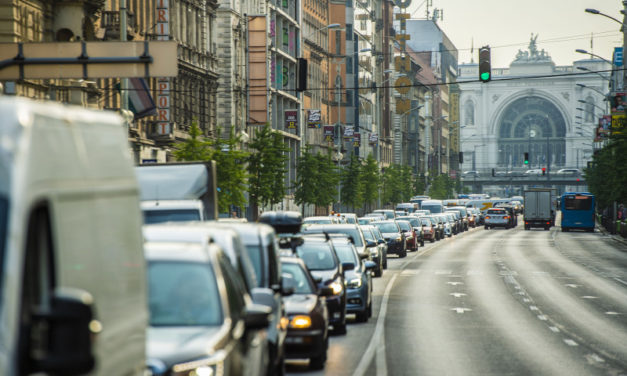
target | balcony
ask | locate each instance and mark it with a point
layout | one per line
(110, 22)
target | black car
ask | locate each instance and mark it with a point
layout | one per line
(308, 330)
(320, 258)
(394, 236)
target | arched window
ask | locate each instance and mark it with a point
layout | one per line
(469, 112)
(589, 117)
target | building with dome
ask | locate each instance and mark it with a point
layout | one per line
(533, 107)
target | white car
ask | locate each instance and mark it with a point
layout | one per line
(569, 172)
(533, 172)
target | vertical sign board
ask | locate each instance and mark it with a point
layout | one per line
(313, 118)
(329, 130)
(163, 84)
(291, 119)
(402, 63)
(454, 120)
(258, 70)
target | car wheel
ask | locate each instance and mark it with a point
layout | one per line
(362, 316)
(432, 240)
(486, 227)
(422, 243)
(385, 262)
(340, 328)
(370, 309)
(546, 229)
(403, 253)
(317, 362)
(378, 272)
(279, 368)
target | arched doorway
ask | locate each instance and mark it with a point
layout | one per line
(531, 125)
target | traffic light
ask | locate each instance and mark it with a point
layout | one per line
(492, 172)
(301, 84)
(485, 73)
(543, 171)
(526, 158)
(461, 157)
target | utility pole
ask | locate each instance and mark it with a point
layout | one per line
(123, 38)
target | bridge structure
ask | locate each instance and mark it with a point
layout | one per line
(512, 182)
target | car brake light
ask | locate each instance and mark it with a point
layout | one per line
(488, 217)
(506, 217)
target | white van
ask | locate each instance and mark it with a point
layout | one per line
(72, 270)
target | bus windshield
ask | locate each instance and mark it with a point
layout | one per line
(577, 202)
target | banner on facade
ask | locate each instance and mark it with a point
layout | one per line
(373, 139)
(356, 139)
(619, 123)
(349, 131)
(604, 128)
(313, 118)
(618, 103)
(328, 133)
(291, 119)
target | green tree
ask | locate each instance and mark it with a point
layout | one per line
(370, 181)
(407, 183)
(607, 177)
(231, 171)
(351, 193)
(442, 187)
(267, 168)
(316, 180)
(392, 181)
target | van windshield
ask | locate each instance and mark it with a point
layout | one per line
(433, 208)
(183, 294)
(174, 215)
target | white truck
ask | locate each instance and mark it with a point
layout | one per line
(178, 192)
(538, 208)
(72, 277)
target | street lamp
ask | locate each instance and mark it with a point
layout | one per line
(581, 51)
(594, 11)
(590, 71)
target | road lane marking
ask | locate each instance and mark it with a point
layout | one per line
(570, 342)
(612, 313)
(589, 297)
(377, 337)
(572, 285)
(621, 281)
(458, 294)
(594, 358)
(410, 272)
(542, 317)
(533, 308)
(454, 283)
(527, 300)
(461, 309)
(554, 329)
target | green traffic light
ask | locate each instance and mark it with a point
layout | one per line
(485, 76)
(526, 162)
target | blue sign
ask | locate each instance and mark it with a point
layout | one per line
(618, 56)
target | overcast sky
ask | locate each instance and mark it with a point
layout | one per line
(506, 25)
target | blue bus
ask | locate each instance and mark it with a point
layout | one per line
(577, 211)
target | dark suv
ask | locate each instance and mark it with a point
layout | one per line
(394, 236)
(320, 258)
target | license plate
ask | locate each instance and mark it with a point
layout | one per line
(294, 340)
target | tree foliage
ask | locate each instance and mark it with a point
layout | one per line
(231, 170)
(267, 167)
(442, 187)
(317, 179)
(352, 189)
(370, 181)
(607, 176)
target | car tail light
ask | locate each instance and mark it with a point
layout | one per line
(488, 217)
(506, 217)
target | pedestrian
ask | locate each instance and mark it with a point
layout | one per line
(620, 215)
(234, 214)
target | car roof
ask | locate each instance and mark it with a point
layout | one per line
(180, 251)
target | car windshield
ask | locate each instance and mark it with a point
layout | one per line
(404, 226)
(302, 284)
(368, 235)
(346, 253)
(387, 227)
(425, 221)
(318, 221)
(171, 215)
(364, 221)
(317, 256)
(351, 232)
(183, 294)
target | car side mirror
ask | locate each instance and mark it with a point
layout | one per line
(364, 256)
(288, 285)
(70, 330)
(257, 316)
(263, 296)
(325, 291)
(348, 266)
(370, 244)
(370, 265)
(381, 241)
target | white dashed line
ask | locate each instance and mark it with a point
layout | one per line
(554, 329)
(594, 358)
(542, 317)
(526, 300)
(533, 308)
(588, 297)
(458, 294)
(570, 342)
(621, 281)
(455, 283)
(612, 313)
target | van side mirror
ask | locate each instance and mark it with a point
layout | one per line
(370, 244)
(348, 266)
(70, 329)
(381, 241)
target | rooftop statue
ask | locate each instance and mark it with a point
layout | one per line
(532, 55)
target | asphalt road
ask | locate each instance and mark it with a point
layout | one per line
(494, 302)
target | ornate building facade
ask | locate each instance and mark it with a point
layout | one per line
(533, 107)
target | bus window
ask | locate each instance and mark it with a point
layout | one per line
(577, 203)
